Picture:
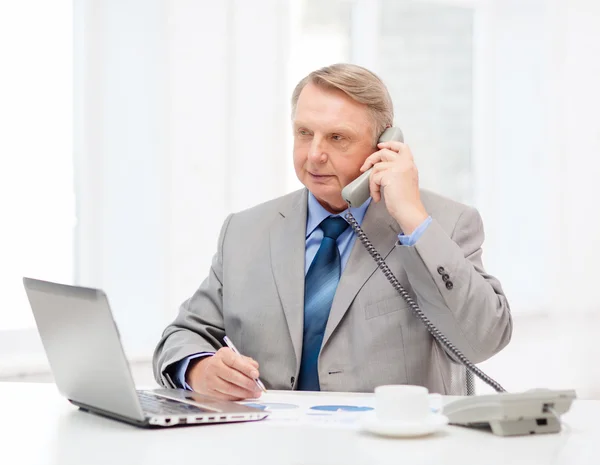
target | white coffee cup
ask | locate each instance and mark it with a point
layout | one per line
(405, 403)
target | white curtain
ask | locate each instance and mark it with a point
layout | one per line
(181, 119)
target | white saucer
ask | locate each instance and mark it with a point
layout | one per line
(432, 423)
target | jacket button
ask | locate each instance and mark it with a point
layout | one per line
(292, 381)
(449, 285)
(445, 277)
(441, 270)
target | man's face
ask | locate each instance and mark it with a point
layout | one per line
(333, 136)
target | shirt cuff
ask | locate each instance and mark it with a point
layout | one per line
(416, 234)
(181, 367)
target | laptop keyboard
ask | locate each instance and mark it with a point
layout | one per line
(156, 405)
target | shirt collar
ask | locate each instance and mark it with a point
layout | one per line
(316, 213)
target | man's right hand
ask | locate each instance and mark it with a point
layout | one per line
(224, 375)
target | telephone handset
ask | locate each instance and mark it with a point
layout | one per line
(357, 192)
(514, 414)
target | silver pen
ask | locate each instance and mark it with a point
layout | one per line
(232, 347)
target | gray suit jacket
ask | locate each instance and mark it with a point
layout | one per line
(254, 293)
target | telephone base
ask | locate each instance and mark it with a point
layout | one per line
(522, 427)
(525, 426)
(512, 414)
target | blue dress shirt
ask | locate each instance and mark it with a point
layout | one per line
(314, 235)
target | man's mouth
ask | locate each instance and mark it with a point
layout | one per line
(320, 176)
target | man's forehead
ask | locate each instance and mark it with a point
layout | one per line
(326, 123)
(331, 100)
(331, 118)
(330, 110)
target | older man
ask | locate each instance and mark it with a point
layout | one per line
(296, 292)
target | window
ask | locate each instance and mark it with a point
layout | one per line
(320, 36)
(425, 58)
(423, 52)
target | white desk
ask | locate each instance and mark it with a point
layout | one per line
(38, 426)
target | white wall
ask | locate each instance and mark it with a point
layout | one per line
(580, 150)
(536, 145)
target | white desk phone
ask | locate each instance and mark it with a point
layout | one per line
(506, 414)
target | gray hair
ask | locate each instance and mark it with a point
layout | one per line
(359, 84)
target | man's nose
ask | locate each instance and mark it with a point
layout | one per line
(316, 154)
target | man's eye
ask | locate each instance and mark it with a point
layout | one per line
(303, 132)
(337, 137)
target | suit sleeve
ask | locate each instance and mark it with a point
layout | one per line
(452, 288)
(199, 325)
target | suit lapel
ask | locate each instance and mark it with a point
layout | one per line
(288, 243)
(382, 230)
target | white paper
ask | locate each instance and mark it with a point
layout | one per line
(301, 408)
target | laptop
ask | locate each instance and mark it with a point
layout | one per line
(90, 369)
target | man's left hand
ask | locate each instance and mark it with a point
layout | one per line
(394, 169)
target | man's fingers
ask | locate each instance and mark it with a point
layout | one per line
(377, 157)
(374, 188)
(235, 392)
(375, 179)
(226, 375)
(239, 363)
(235, 377)
(251, 361)
(395, 145)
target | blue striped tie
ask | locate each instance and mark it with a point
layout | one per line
(319, 288)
